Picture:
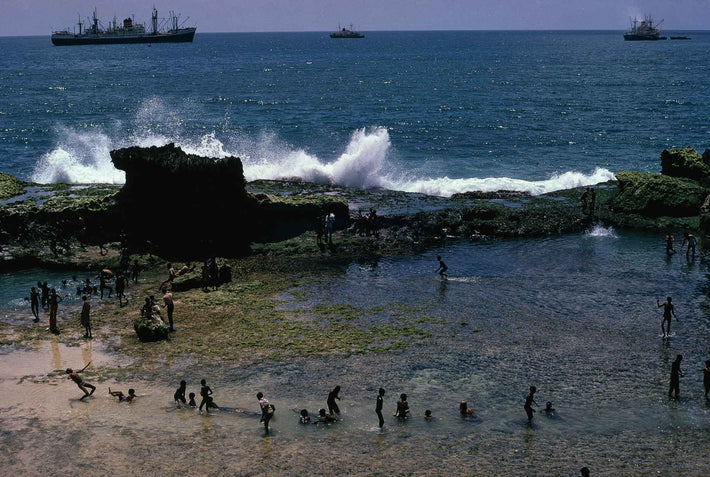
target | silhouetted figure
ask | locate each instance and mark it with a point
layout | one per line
(305, 418)
(584, 198)
(442, 267)
(192, 402)
(205, 392)
(706, 377)
(104, 277)
(592, 201)
(329, 224)
(668, 310)
(135, 271)
(121, 287)
(179, 395)
(332, 405)
(691, 241)
(669, 244)
(34, 303)
(676, 373)
(464, 410)
(54, 300)
(584, 471)
(378, 408)
(210, 404)
(74, 376)
(44, 290)
(427, 415)
(86, 316)
(402, 411)
(169, 306)
(529, 401)
(549, 410)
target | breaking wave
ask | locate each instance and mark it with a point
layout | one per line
(83, 157)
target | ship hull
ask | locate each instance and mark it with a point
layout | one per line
(631, 37)
(185, 35)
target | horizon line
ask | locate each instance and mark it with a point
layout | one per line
(541, 30)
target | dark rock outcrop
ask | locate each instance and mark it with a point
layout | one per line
(184, 205)
(656, 195)
(687, 163)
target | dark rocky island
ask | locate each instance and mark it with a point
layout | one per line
(185, 207)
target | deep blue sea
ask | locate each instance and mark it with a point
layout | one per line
(434, 112)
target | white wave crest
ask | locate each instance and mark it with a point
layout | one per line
(81, 158)
(600, 231)
(446, 187)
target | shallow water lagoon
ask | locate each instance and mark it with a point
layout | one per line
(575, 316)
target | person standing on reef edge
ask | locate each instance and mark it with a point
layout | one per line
(676, 373)
(668, 309)
(583, 198)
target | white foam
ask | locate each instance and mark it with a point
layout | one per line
(601, 231)
(83, 157)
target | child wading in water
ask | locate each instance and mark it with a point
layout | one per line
(442, 267)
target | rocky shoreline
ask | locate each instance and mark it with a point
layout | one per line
(184, 207)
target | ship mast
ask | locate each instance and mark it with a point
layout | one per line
(154, 19)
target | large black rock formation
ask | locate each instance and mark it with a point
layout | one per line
(182, 204)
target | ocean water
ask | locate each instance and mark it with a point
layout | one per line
(433, 112)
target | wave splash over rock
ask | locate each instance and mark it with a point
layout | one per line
(365, 163)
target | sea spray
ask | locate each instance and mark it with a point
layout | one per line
(598, 230)
(83, 157)
(79, 158)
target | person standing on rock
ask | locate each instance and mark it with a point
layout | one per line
(592, 201)
(86, 317)
(329, 223)
(584, 198)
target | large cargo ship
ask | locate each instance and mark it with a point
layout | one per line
(128, 32)
(644, 30)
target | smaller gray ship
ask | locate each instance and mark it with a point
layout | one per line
(128, 32)
(346, 33)
(644, 30)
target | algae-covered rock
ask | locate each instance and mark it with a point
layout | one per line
(656, 195)
(149, 329)
(10, 186)
(686, 162)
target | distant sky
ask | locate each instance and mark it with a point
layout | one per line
(40, 17)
